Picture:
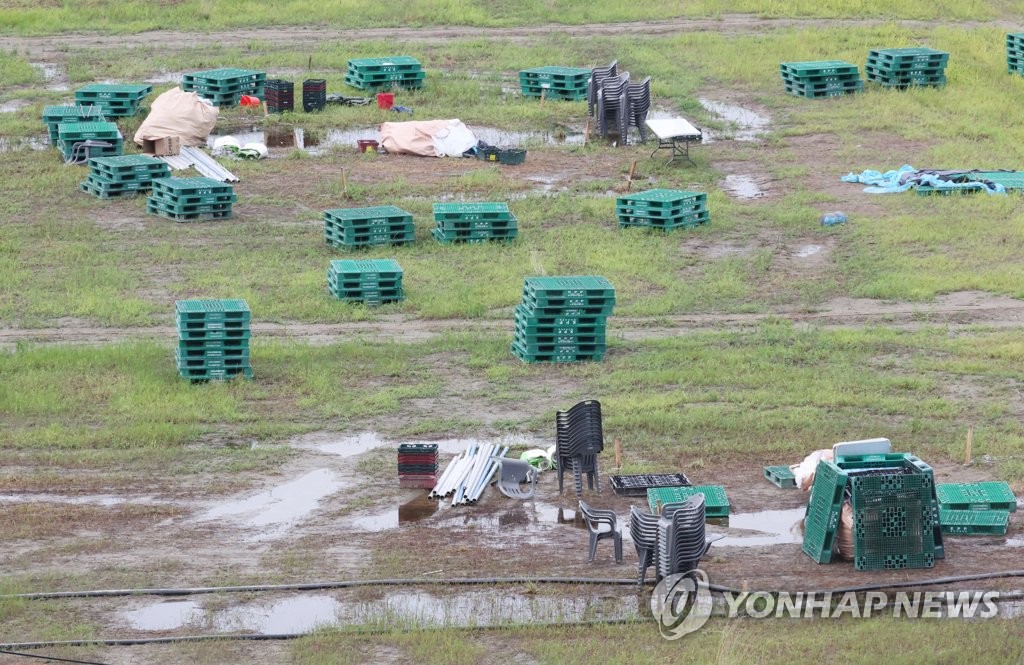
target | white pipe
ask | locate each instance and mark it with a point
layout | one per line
(484, 470)
(439, 484)
(460, 488)
(485, 478)
(471, 476)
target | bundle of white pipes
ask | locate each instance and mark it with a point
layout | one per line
(466, 476)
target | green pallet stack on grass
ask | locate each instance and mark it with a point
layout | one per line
(55, 115)
(369, 281)
(563, 319)
(400, 71)
(905, 67)
(822, 78)
(473, 222)
(569, 83)
(191, 199)
(111, 177)
(225, 86)
(1015, 52)
(115, 100)
(663, 209)
(970, 509)
(71, 133)
(355, 228)
(213, 339)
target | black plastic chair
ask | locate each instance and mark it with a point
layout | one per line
(602, 524)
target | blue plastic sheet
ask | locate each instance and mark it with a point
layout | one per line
(906, 176)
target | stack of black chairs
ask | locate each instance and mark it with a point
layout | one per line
(643, 529)
(616, 103)
(597, 76)
(612, 106)
(314, 95)
(578, 441)
(638, 102)
(681, 539)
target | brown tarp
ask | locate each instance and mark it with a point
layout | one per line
(181, 114)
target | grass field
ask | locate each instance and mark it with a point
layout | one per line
(749, 341)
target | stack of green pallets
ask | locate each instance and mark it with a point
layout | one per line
(191, 199)
(114, 99)
(555, 83)
(904, 67)
(225, 86)
(401, 71)
(71, 133)
(213, 339)
(473, 222)
(55, 115)
(1015, 52)
(664, 209)
(563, 319)
(352, 228)
(975, 508)
(110, 177)
(823, 78)
(369, 281)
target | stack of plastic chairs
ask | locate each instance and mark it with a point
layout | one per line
(681, 539)
(612, 106)
(578, 440)
(643, 529)
(598, 74)
(638, 101)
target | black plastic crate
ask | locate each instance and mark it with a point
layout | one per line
(637, 485)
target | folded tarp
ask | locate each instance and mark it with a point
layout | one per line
(179, 113)
(430, 138)
(906, 176)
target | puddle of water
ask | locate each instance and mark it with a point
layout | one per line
(509, 138)
(52, 75)
(409, 512)
(749, 125)
(300, 614)
(808, 250)
(780, 526)
(24, 143)
(13, 105)
(1014, 542)
(165, 77)
(279, 507)
(91, 500)
(742, 187)
(367, 441)
(165, 615)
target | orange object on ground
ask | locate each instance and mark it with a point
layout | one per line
(385, 100)
(249, 101)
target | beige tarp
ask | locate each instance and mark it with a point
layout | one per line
(844, 534)
(179, 113)
(430, 138)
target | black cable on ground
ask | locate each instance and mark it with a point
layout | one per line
(468, 581)
(51, 658)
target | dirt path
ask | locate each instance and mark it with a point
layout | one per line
(57, 46)
(966, 308)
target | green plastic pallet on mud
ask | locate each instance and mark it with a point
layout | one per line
(780, 476)
(976, 496)
(974, 522)
(822, 517)
(716, 502)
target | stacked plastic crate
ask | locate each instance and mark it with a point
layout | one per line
(975, 508)
(114, 100)
(369, 281)
(905, 67)
(716, 501)
(663, 209)
(55, 115)
(568, 83)
(280, 96)
(213, 339)
(473, 222)
(417, 465)
(563, 319)
(225, 86)
(111, 177)
(69, 134)
(401, 71)
(823, 78)
(353, 228)
(314, 95)
(191, 199)
(1015, 52)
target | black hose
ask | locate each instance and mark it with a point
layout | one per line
(55, 658)
(888, 585)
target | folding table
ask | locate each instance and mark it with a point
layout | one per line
(674, 134)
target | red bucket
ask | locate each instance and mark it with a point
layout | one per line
(385, 100)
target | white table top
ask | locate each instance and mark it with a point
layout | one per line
(670, 128)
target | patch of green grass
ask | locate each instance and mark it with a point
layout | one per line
(15, 70)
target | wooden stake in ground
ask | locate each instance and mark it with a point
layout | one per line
(618, 454)
(309, 63)
(542, 93)
(586, 133)
(265, 111)
(969, 445)
(629, 180)
(344, 183)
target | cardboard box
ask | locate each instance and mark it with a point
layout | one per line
(170, 145)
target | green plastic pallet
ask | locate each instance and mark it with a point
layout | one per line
(576, 75)
(368, 216)
(385, 64)
(362, 267)
(780, 476)
(225, 74)
(112, 91)
(204, 309)
(976, 496)
(84, 131)
(716, 502)
(197, 186)
(660, 198)
(974, 522)
(472, 211)
(822, 517)
(524, 315)
(102, 193)
(202, 374)
(894, 531)
(818, 68)
(911, 54)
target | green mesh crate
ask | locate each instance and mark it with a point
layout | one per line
(822, 517)
(894, 530)
(716, 502)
